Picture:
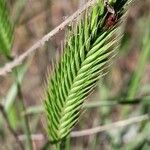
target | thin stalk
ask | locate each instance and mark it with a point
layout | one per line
(57, 146)
(25, 120)
(138, 73)
(46, 146)
(89, 105)
(68, 143)
(10, 128)
(140, 70)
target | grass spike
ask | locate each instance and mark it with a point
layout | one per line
(88, 49)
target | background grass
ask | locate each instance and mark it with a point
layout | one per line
(128, 80)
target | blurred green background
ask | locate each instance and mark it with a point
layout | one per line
(123, 93)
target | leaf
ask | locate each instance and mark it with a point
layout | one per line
(10, 98)
(145, 51)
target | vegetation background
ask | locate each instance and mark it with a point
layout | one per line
(123, 93)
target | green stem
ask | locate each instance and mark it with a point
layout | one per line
(140, 70)
(56, 146)
(4, 113)
(137, 75)
(68, 143)
(25, 117)
(25, 120)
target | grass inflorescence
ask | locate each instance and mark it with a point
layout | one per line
(89, 45)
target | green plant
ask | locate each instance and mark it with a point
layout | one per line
(88, 48)
(6, 30)
(6, 39)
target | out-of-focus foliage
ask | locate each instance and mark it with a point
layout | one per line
(6, 30)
